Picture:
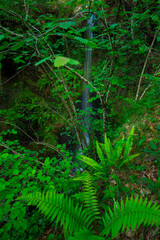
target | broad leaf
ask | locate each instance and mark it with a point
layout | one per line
(61, 61)
(66, 25)
(86, 42)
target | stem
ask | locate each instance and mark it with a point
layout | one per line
(145, 64)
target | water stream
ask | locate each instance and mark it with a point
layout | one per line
(87, 74)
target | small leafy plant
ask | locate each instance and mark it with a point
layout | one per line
(117, 155)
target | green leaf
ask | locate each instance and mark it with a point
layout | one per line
(86, 42)
(2, 184)
(17, 46)
(92, 163)
(15, 172)
(42, 60)
(73, 62)
(1, 36)
(66, 25)
(129, 158)
(61, 61)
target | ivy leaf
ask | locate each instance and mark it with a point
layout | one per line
(42, 60)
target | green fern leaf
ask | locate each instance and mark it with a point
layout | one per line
(119, 148)
(57, 207)
(129, 215)
(90, 198)
(92, 163)
(100, 154)
(129, 143)
(108, 148)
(128, 159)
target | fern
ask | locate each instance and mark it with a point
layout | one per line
(56, 206)
(129, 215)
(116, 155)
(77, 220)
(100, 153)
(119, 148)
(108, 149)
(90, 199)
(129, 143)
(93, 164)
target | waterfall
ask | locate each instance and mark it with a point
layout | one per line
(87, 73)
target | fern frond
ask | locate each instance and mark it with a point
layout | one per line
(58, 207)
(92, 163)
(100, 154)
(119, 148)
(129, 143)
(130, 214)
(86, 235)
(128, 159)
(90, 198)
(108, 148)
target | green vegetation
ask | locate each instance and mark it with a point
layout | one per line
(45, 158)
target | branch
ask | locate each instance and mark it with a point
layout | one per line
(149, 84)
(13, 33)
(42, 143)
(145, 64)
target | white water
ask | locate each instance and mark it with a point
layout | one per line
(87, 73)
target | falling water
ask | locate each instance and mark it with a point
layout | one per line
(87, 72)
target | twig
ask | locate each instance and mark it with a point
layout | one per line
(149, 84)
(18, 71)
(145, 64)
(26, 9)
(13, 33)
(42, 143)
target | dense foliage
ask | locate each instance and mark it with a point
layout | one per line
(44, 49)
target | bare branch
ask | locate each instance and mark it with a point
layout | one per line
(156, 72)
(13, 33)
(26, 9)
(145, 64)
